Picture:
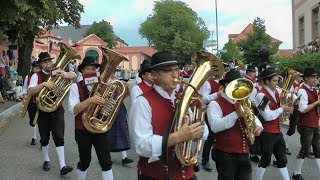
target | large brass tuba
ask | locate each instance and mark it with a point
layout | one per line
(206, 65)
(25, 103)
(49, 100)
(286, 96)
(97, 118)
(240, 90)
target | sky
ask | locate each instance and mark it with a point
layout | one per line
(233, 16)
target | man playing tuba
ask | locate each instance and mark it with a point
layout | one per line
(150, 116)
(52, 122)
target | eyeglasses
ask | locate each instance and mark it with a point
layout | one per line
(170, 71)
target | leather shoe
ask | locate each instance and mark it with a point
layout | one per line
(288, 152)
(126, 161)
(46, 166)
(297, 177)
(33, 141)
(206, 166)
(65, 170)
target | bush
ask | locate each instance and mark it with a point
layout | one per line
(299, 62)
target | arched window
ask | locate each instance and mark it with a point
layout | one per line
(92, 53)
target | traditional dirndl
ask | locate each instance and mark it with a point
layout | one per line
(118, 135)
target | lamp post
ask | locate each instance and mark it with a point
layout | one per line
(217, 32)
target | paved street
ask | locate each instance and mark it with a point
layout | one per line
(20, 160)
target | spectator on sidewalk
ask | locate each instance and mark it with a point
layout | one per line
(5, 58)
(11, 70)
(10, 87)
(2, 65)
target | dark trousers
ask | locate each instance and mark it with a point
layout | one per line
(292, 123)
(273, 144)
(51, 123)
(256, 147)
(144, 177)
(32, 109)
(99, 141)
(207, 145)
(309, 137)
(232, 166)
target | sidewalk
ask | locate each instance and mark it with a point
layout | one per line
(9, 109)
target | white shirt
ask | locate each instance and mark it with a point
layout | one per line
(25, 85)
(218, 122)
(267, 113)
(136, 91)
(146, 143)
(34, 80)
(205, 90)
(303, 103)
(74, 97)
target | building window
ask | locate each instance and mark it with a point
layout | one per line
(301, 31)
(92, 53)
(315, 23)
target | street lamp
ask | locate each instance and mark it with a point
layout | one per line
(217, 32)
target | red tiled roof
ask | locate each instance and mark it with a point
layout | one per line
(148, 50)
(248, 30)
(285, 52)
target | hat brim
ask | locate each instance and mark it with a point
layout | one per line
(252, 70)
(314, 74)
(45, 59)
(265, 77)
(164, 64)
(81, 66)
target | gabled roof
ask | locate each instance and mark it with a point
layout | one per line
(87, 40)
(249, 29)
(148, 50)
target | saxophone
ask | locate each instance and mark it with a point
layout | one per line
(97, 118)
(206, 65)
(240, 90)
(49, 100)
(286, 96)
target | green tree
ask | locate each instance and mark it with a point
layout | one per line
(230, 52)
(103, 30)
(176, 28)
(257, 47)
(22, 20)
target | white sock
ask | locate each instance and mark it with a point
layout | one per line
(298, 166)
(60, 152)
(284, 173)
(259, 173)
(107, 175)
(123, 154)
(81, 175)
(45, 152)
(272, 158)
(34, 132)
(318, 165)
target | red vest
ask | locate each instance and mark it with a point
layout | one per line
(144, 87)
(309, 119)
(233, 140)
(214, 86)
(162, 113)
(295, 84)
(83, 94)
(252, 80)
(271, 126)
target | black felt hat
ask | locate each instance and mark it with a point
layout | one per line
(251, 68)
(162, 59)
(266, 73)
(34, 64)
(230, 76)
(309, 72)
(144, 67)
(44, 56)
(88, 61)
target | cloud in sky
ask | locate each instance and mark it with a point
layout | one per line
(233, 16)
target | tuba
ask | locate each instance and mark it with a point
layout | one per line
(97, 118)
(49, 100)
(238, 64)
(240, 90)
(25, 103)
(286, 96)
(206, 65)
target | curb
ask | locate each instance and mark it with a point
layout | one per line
(13, 110)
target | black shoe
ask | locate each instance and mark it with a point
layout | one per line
(196, 167)
(206, 166)
(288, 152)
(126, 161)
(254, 158)
(33, 142)
(65, 170)
(46, 166)
(297, 177)
(275, 164)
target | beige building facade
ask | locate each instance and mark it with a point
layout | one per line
(305, 22)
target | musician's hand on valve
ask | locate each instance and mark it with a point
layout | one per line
(96, 99)
(50, 85)
(190, 132)
(197, 102)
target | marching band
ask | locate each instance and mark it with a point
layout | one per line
(225, 132)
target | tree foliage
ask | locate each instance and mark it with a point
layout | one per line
(22, 20)
(257, 47)
(176, 28)
(103, 30)
(230, 52)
